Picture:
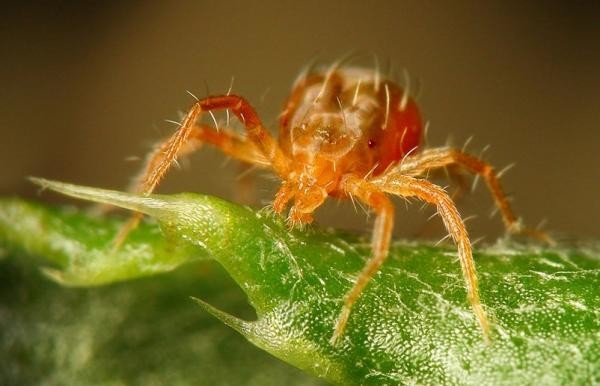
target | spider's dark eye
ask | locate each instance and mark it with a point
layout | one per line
(371, 143)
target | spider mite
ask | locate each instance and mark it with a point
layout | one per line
(346, 133)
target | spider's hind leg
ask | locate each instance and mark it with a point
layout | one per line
(434, 159)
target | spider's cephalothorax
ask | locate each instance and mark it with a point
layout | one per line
(340, 122)
(345, 133)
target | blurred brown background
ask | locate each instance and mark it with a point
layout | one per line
(84, 87)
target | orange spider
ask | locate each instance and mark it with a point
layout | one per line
(345, 133)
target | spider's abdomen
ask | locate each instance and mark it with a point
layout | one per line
(349, 119)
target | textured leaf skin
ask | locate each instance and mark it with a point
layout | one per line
(411, 325)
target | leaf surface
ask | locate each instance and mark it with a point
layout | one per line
(412, 325)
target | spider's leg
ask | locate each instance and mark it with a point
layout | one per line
(163, 157)
(226, 140)
(432, 159)
(382, 233)
(406, 186)
(161, 160)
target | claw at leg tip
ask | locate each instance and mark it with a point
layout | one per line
(340, 327)
(336, 337)
(484, 323)
(125, 230)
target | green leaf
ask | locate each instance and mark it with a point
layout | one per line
(142, 332)
(411, 325)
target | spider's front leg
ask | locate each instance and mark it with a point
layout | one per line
(432, 159)
(406, 186)
(372, 193)
(259, 147)
(380, 244)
